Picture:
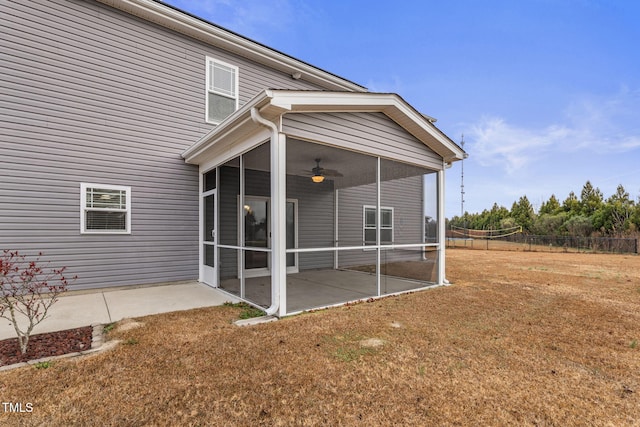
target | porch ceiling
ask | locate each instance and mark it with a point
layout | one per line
(301, 160)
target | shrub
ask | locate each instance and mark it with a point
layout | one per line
(28, 289)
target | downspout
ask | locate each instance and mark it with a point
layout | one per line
(275, 184)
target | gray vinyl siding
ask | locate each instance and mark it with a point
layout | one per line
(404, 196)
(91, 94)
(315, 216)
(371, 133)
(316, 213)
(228, 192)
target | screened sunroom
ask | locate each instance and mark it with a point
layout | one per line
(312, 199)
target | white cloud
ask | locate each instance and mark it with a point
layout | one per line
(595, 124)
(607, 124)
(495, 142)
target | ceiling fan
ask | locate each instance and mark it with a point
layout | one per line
(319, 172)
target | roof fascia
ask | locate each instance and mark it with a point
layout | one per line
(235, 124)
(274, 103)
(182, 22)
(396, 108)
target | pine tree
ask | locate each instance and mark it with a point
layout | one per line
(615, 216)
(550, 207)
(522, 212)
(590, 199)
(571, 204)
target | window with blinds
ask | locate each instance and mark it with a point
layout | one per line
(222, 90)
(370, 226)
(105, 208)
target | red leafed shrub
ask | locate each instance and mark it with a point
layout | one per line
(28, 288)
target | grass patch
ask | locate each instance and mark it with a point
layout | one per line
(538, 269)
(109, 327)
(347, 347)
(247, 311)
(43, 365)
(349, 354)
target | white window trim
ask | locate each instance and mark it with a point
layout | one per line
(364, 224)
(208, 61)
(83, 208)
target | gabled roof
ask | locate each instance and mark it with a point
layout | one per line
(342, 95)
(273, 103)
(200, 29)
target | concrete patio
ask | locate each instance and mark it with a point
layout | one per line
(78, 309)
(305, 291)
(321, 288)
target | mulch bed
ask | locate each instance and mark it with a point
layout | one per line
(46, 345)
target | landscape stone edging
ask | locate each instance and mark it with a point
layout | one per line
(97, 341)
(255, 320)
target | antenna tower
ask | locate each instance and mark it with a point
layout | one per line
(462, 180)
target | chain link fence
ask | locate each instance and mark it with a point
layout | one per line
(527, 242)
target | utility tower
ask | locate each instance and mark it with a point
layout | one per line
(464, 223)
(462, 179)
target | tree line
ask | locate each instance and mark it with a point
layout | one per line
(587, 215)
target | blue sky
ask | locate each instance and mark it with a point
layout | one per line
(546, 92)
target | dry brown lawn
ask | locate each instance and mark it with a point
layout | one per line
(520, 339)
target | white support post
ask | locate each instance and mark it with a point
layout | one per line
(201, 227)
(279, 221)
(241, 243)
(378, 220)
(278, 216)
(336, 235)
(442, 229)
(424, 214)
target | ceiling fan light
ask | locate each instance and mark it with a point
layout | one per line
(317, 178)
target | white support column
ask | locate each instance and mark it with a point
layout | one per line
(278, 216)
(201, 227)
(279, 221)
(241, 243)
(442, 229)
(336, 234)
(424, 214)
(378, 220)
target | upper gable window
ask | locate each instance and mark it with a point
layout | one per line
(222, 90)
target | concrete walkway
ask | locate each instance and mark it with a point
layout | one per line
(105, 306)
